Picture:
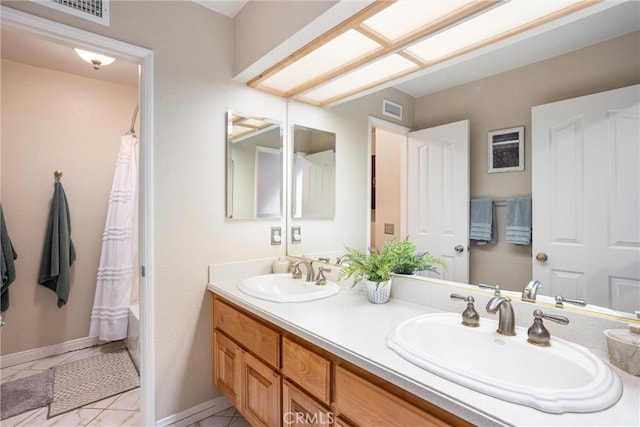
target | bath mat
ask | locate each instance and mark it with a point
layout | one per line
(26, 394)
(82, 382)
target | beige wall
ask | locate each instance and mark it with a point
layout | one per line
(53, 120)
(504, 101)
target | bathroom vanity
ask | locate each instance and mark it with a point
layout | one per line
(327, 361)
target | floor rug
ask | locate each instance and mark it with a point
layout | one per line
(82, 382)
(26, 394)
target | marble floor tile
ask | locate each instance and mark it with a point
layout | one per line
(117, 411)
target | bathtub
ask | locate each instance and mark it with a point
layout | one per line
(132, 342)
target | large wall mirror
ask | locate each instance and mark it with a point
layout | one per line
(254, 167)
(509, 266)
(313, 179)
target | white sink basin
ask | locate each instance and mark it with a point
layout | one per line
(283, 288)
(564, 377)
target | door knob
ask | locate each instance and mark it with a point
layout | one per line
(459, 249)
(542, 257)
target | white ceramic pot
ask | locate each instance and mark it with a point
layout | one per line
(378, 293)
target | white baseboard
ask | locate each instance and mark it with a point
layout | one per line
(52, 350)
(197, 413)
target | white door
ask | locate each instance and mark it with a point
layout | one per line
(438, 196)
(586, 194)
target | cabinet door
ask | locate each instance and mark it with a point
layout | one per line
(226, 366)
(298, 409)
(260, 400)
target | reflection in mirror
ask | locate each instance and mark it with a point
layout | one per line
(254, 167)
(488, 106)
(314, 173)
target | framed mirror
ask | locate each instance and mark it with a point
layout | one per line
(255, 165)
(313, 180)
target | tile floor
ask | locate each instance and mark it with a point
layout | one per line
(120, 410)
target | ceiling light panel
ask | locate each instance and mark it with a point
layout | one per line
(486, 26)
(343, 49)
(377, 71)
(406, 16)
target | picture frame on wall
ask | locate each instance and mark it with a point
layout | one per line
(506, 150)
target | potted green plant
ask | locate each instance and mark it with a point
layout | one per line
(405, 259)
(372, 267)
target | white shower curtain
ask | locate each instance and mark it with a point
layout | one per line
(118, 258)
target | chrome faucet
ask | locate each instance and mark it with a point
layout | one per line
(308, 265)
(531, 290)
(506, 318)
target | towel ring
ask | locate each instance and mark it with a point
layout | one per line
(58, 174)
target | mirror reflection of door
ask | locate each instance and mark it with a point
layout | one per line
(268, 189)
(586, 193)
(438, 196)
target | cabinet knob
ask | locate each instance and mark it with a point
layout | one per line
(459, 249)
(542, 257)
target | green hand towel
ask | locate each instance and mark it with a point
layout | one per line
(58, 253)
(7, 268)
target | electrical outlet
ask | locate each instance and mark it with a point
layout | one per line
(276, 235)
(296, 237)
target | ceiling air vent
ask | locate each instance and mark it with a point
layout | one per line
(391, 109)
(93, 10)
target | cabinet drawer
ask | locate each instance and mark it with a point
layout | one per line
(309, 370)
(369, 405)
(254, 336)
(298, 409)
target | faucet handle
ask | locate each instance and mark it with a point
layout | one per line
(321, 280)
(496, 288)
(560, 299)
(538, 333)
(470, 316)
(324, 259)
(296, 273)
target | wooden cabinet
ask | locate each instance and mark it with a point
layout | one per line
(260, 392)
(369, 405)
(308, 369)
(298, 409)
(276, 379)
(226, 362)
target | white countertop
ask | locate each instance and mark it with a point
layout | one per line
(350, 327)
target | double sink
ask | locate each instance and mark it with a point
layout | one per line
(564, 377)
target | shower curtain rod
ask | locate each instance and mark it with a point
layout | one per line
(133, 121)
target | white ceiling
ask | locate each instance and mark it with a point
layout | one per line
(20, 47)
(561, 37)
(225, 7)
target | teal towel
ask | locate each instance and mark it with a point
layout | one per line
(518, 230)
(7, 266)
(482, 218)
(58, 253)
